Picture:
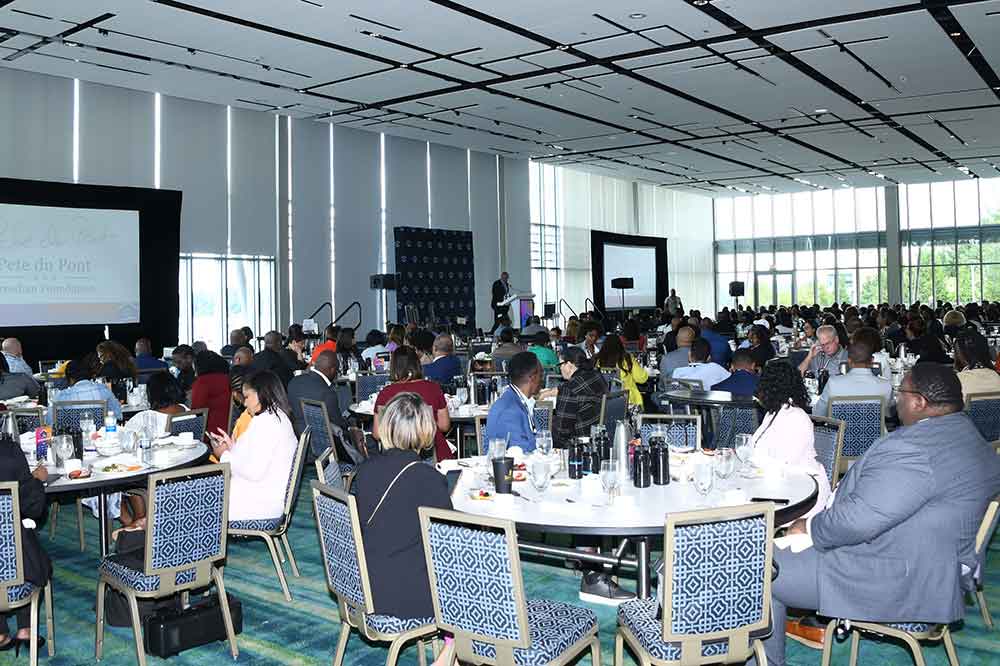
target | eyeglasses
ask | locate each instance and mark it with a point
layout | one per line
(914, 392)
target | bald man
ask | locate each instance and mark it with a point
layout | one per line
(15, 361)
(317, 383)
(679, 357)
(271, 358)
(243, 356)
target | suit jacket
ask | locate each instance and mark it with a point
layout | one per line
(740, 382)
(893, 544)
(500, 291)
(509, 415)
(268, 359)
(310, 386)
(31, 493)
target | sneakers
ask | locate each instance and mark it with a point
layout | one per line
(599, 588)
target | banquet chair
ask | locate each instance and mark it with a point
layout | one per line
(984, 410)
(368, 385)
(983, 537)
(909, 633)
(491, 620)
(347, 577)
(553, 380)
(45, 367)
(828, 437)
(732, 420)
(715, 591)
(480, 423)
(66, 417)
(322, 438)
(613, 378)
(15, 592)
(614, 408)
(193, 421)
(28, 418)
(185, 542)
(274, 531)
(864, 417)
(681, 430)
(542, 417)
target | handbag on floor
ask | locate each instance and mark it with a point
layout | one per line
(171, 631)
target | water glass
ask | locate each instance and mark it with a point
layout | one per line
(744, 448)
(63, 446)
(540, 474)
(543, 442)
(725, 463)
(609, 478)
(498, 449)
(704, 475)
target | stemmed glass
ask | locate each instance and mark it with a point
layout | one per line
(63, 445)
(543, 443)
(609, 478)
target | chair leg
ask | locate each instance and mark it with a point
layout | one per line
(984, 609)
(49, 622)
(595, 652)
(421, 653)
(918, 653)
(435, 647)
(949, 647)
(33, 637)
(281, 551)
(227, 618)
(759, 654)
(345, 633)
(133, 605)
(393, 657)
(618, 649)
(272, 546)
(53, 515)
(99, 637)
(79, 525)
(291, 556)
(828, 643)
(855, 645)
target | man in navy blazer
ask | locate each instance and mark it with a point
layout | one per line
(744, 379)
(513, 412)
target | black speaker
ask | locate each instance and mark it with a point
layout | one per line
(735, 288)
(550, 310)
(383, 281)
(622, 283)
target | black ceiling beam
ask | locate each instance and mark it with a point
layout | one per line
(62, 35)
(963, 42)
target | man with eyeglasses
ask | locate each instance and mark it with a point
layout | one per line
(896, 541)
(827, 354)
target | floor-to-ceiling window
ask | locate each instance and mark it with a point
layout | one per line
(950, 237)
(546, 241)
(807, 247)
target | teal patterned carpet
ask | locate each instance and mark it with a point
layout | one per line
(305, 630)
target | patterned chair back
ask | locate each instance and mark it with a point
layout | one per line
(295, 477)
(553, 380)
(317, 420)
(187, 515)
(192, 421)
(984, 410)
(542, 416)
(68, 414)
(983, 537)
(482, 553)
(28, 418)
(681, 430)
(864, 416)
(480, 423)
(828, 437)
(612, 377)
(234, 414)
(734, 420)
(368, 384)
(717, 582)
(11, 556)
(614, 408)
(343, 551)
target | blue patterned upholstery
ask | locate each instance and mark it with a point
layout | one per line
(554, 627)
(864, 424)
(611, 375)
(257, 525)
(985, 413)
(615, 409)
(680, 433)
(316, 419)
(718, 575)
(187, 525)
(734, 421)
(8, 546)
(913, 627)
(389, 624)
(28, 419)
(369, 385)
(340, 551)
(193, 423)
(474, 577)
(138, 580)
(825, 438)
(17, 593)
(542, 417)
(67, 419)
(639, 616)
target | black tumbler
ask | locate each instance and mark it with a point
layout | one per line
(594, 459)
(575, 460)
(659, 455)
(503, 475)
(640, 467)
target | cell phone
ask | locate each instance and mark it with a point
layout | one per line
(452, 477)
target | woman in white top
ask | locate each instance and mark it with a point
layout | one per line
(785, 435)
(975, 368)
(260, 460)
(165, 397)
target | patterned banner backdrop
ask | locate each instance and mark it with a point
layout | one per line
(435, 267)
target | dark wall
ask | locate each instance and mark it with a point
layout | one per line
(159, 259)
(435, 266)
(598, 239)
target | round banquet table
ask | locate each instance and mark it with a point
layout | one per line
(464, 416)
(103, 484)
(637, 515)
(703, 398)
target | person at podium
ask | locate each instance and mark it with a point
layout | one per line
(501, 290)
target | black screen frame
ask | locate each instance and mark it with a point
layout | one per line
(598, 239)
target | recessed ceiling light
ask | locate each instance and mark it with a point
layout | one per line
(821, 111)
(955, 34)
(637, 16)
(562, 47)
(700, 3)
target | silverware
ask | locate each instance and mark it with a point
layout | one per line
(517, 494)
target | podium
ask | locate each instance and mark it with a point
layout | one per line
(525, 306)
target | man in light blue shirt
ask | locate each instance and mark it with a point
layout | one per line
(859, 380)
(82, 387)
(15, 360)
(701, 367)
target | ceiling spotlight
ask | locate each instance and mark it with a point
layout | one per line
(955, 34)
(821, 111)
(700, 3)
(562, 47)
(637, 16)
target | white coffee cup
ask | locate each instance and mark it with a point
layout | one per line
(186, 438)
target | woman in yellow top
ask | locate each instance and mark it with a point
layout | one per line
(613, 355)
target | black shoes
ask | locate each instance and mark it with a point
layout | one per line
(600, 588)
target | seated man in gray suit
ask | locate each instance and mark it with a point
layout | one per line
(859, 380)
(316, 383)
(898, 535)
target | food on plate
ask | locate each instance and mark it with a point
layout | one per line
(118, 468)
(521, 467)
(481, 495)
(79, 474)
(520, 476)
